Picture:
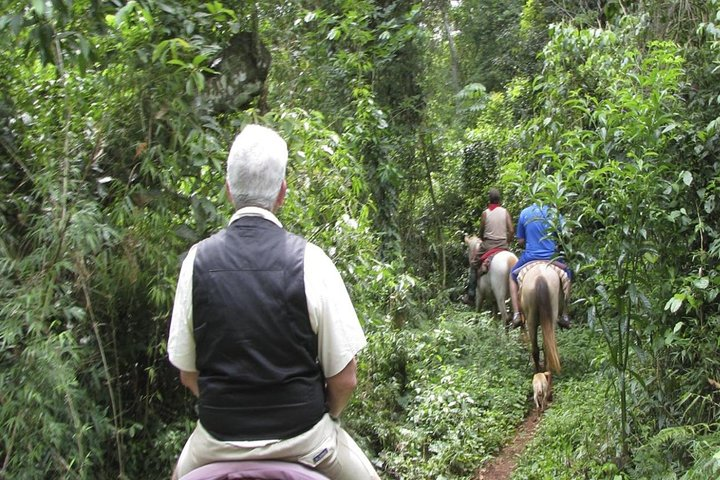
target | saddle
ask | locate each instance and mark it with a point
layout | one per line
(558, 267)
(482, 263)
(254, 470)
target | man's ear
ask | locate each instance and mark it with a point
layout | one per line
(280, 196)
(227, 192)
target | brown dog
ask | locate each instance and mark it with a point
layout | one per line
(542, 390)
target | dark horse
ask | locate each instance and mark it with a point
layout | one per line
(540, 301)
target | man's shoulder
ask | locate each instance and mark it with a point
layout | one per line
(527, 211)
(534, 211)
(214, 237)
(315, 252)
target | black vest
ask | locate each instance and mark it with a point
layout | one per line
(255, 350)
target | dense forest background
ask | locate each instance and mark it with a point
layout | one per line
(115, 120)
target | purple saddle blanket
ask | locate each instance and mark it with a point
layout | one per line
(253, 470)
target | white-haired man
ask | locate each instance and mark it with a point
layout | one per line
(264, 333)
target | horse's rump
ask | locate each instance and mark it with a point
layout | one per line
(495, 283)
(540, 302)
(557, 267)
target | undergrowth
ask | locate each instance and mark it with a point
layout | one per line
(576, 435)
(441, 398)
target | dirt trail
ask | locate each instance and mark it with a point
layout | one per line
(500, 467)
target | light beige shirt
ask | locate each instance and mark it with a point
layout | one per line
(495, 224)
(332, 315)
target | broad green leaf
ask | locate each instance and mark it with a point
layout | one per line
(199, 79)
(709, 204)
(687, 177)
(675, 302)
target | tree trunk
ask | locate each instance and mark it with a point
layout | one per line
(454, 62)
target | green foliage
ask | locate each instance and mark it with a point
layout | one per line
(603, 153)
(96, 218)
(444, 409)
(605, 142)
(363, 58)
(328, 202)
(577, 437)
(112, 146)
(102, 191)
(489, 30)
(668, 453)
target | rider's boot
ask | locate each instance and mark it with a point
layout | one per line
(468, 300)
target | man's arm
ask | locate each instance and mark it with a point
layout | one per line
(520, 232)
(190, 380)
(482, 224)
(340, 388)
(181, 342)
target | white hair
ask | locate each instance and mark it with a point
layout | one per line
(256, 167)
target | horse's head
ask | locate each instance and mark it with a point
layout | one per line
(471, 240)
(473, 243)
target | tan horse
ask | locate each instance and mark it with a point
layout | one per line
(495, 282)
(540, 302)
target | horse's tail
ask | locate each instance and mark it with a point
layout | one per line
(545, 312)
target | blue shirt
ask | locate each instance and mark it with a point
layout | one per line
(534, 226)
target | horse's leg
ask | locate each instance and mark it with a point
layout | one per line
(499, 294)
(479, 292)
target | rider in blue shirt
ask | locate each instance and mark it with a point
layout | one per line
(534, 233)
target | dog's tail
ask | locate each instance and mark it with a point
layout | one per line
(547, 323)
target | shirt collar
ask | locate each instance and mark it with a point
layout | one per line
(255, 212)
